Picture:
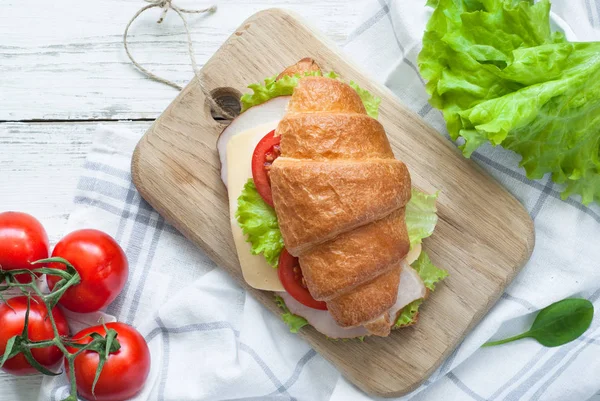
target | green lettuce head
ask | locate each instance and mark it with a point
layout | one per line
(500, 76)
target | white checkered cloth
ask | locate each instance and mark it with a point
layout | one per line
(210, 341)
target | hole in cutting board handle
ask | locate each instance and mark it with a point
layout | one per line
(229, 100)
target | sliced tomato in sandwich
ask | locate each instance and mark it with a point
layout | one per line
(291, 277)
(265, 153)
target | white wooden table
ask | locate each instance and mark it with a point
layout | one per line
(63, 71)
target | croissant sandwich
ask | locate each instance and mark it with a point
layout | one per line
(322, 213)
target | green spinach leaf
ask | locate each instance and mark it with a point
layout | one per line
(557, 324)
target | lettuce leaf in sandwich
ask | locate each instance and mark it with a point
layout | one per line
(259, 224)
(274, 87)
(431, 275)
(421, 218)
(294, 322)
(285, 85)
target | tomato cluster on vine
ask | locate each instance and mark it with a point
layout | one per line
(87, 270)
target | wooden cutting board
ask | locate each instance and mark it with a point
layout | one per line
(483, 238)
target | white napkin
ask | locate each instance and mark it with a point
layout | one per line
(211, 341)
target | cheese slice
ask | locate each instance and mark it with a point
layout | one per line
(257, 272)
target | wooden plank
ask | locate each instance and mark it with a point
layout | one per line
(483, 238)
(39, 169)
(68, 62)
(40, 165)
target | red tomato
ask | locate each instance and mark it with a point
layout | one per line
(40, 329)
(291, 277)
(124, 372)
(22, 240)
(100, 262)
(264, 155)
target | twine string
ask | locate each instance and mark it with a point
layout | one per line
(167, 5)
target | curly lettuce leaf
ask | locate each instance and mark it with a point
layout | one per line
(421, 216)
(284, 86)
(431, 275)
(500, 76)
(408, 314)
(370, 101)
(294, 322)
(274, 87)
(421, 219)
(259, 224)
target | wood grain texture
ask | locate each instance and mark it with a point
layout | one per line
(483, 238)
(39, 169)
(68, 62)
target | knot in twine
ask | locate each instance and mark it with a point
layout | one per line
(167, 5)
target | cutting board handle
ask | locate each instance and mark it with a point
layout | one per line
(227, 99)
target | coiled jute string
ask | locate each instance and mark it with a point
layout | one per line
(167, 5)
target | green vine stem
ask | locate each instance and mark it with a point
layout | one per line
(104, 346)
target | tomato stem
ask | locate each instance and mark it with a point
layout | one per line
(71, 362)
(41, 344)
